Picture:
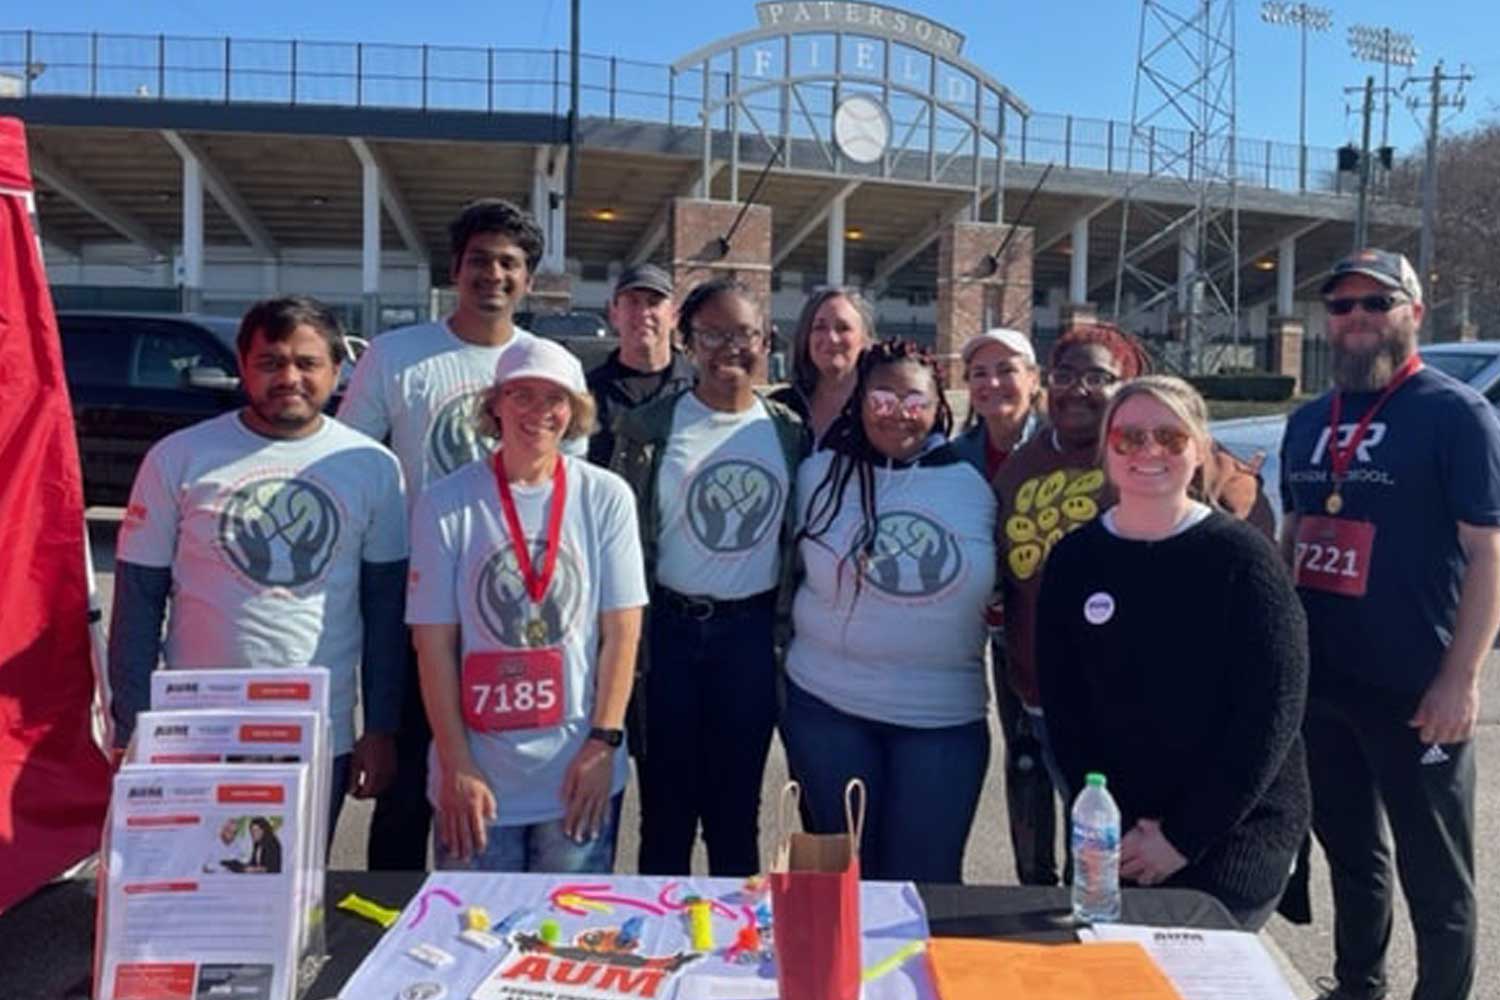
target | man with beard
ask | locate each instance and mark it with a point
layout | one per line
(1391, 484)
(646, 364)
(278, 536)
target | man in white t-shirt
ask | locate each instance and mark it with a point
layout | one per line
(278, 537)
(419, 387)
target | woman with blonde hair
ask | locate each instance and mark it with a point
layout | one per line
(525, 602)
(836, 326)
(1172, 657)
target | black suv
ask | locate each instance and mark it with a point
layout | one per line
(135, 378)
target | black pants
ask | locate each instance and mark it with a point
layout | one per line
(1364, 760)
(710, 707)
(402, 821)
(1030, 801)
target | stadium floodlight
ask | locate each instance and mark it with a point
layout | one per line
(1305, 17)
(1388, 48)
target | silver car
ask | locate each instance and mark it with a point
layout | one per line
(1477, 363)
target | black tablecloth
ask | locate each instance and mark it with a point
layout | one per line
(46, 942)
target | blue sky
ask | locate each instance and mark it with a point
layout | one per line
(1072, 56)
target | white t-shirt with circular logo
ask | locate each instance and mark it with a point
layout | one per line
(909, 649)
(464, 572)
(721, 493)
(264, 538)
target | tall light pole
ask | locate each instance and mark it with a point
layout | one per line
(1306, 17)
(1388, 48)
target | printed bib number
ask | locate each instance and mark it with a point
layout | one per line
(1333, 555)
(514, 689)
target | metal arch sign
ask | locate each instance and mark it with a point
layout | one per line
(866, 18)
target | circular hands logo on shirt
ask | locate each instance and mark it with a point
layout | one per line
(279, 531)
(505, 607)
(732, 505)
(453, 441)
(915, 556)
(1046, 508)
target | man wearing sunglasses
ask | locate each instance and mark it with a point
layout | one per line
(1391, 484)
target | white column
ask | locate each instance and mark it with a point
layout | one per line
(1286, 276)
(192, 234)
(1078, 265)
(1187, 263)
(370, 251)
(549, 174)
(835, 269)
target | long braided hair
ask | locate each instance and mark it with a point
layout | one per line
(855, 457)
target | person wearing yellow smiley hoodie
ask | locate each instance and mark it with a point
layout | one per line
(1055, 483)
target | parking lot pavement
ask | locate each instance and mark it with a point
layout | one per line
(1309, 949)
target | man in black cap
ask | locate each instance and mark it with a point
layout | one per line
(646, 364)
(1391, 484)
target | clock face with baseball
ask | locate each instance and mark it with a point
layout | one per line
(861, 128)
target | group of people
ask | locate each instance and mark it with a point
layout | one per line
(656, 559)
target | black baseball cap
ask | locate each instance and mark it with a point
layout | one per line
(647, 276)
(1389, 268)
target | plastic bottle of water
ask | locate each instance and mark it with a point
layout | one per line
(1096, 854)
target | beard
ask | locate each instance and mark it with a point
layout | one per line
(1370, 370)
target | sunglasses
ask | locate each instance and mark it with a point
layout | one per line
(1128, 440)
(1377, 303)
(885, 403)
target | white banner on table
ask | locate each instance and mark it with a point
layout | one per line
(1206, 964)
(202, 882)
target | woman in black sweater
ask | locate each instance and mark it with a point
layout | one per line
(1172, 654)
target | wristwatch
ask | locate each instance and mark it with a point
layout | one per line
(609, 737)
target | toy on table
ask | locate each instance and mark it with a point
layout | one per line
(476, 918)
(430, 955)
(551, 931)
(369, 909)
(630, 933)
(700, 923)
(512, 921)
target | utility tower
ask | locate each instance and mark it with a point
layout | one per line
(1182, 189)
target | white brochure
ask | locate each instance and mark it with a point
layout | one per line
(1205, 964)
(201, 888)
(282, 688)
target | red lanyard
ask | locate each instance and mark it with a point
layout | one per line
(1339, 458)
(536, 583)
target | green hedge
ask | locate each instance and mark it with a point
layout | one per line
(1252, 386)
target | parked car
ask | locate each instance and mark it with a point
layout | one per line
(134, 378)
(584, 333)
(1477, 363)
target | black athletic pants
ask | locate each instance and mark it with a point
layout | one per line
(1364, 760)
(402, 822)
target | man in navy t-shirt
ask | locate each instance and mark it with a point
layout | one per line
(1391, 485)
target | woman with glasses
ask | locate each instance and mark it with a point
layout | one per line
(713, 469)
(835, 327)
(1005, 400)
(886, 666)
(525, 606)
(1172, 653)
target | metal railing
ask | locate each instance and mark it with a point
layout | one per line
(508, 80)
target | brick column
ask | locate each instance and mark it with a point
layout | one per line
(550, 293)
(696, 227)
(1076, 314)
(973, 293)
(1286, 334)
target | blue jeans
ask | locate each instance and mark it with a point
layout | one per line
(710, 709)
(539, 847)
(923, 785)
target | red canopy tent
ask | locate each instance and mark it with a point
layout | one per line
(54, 779)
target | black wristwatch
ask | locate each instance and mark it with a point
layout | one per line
(611, 738)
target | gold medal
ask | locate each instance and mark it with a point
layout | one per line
(536, 633)
(1334, 503)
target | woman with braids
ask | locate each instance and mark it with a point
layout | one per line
(1055, 483)
(713, 469)
(835, 328)
(886, 666)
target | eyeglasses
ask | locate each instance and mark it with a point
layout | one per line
(1377, 303)
(885, 403)
(526, 398)
(1128, 440)
(1093, 379)
(715, 339)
